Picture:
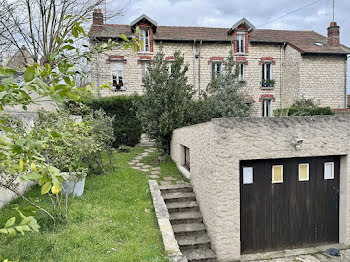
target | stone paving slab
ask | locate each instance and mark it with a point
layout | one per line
(156, 168)
(154, 176)
(169, 178)
(155, 172)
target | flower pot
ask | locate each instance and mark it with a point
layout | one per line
(68, 186)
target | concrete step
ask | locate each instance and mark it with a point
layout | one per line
(200, 255)
(197, 241)
(189, 229)
(176, 188)
(182, 206)
(178, 197)
(185, 217)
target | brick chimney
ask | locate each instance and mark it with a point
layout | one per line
(333, 35)
(97, 17)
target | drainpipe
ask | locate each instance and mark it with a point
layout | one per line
(194, 64)
(199, 68)
(346, 81)
(281, 73)
(97, 73)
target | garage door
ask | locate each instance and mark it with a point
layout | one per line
(289, 203)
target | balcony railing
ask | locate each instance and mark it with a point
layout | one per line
(267, 83)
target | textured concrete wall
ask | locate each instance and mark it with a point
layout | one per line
(222, 143)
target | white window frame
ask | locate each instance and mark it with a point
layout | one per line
(169, 63)
(325, 164)
(267, 73)
(215, 73)
(308, 171)
(144, 37)
(273, 175)
(241, 72)
(241, 42)
(144, 70)
(117, 70)
(267, 107)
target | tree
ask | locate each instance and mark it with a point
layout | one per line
(38, 25)
(166, 101)
(21, 154)
(225, 93)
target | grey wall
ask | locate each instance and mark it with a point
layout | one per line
(218, 146)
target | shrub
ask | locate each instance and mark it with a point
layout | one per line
(167, 98)
(226, 95)
(126, 127)
(303, 107)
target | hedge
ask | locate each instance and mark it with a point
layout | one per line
(127, 128)
(303, 111)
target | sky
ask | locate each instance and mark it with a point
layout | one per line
(225, 13)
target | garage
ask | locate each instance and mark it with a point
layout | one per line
(289, 203)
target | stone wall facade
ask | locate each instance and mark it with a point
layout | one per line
(218, 146)
(320, 78)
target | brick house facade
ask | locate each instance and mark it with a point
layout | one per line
(276, 67)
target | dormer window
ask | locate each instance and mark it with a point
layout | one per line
(144, 37)
(241, 42)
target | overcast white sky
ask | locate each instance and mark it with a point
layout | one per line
(224, 13)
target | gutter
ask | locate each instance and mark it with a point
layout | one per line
(346, 81)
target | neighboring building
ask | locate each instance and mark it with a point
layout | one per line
(19, 61)
(265, 184)
(276, 67)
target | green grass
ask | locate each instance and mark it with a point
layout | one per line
(108, 223)
(167, 167)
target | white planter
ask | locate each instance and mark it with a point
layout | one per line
(68, 186)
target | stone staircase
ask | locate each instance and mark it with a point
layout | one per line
(187, 222)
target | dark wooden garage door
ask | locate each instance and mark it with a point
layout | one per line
(299, 208)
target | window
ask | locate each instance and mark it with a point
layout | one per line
(216, 69)
(266, 71)
(117, 73)
(241, 72)
(247, 175)
(169, 67)
(267, 108)
(303, 172)
(144, 70)
(144, 37)
(277, 174)
(329, 170)
(240, 42)
(187, 159)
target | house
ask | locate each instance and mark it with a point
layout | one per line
(267, 184)
(276, 67)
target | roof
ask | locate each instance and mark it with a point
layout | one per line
(144, 16)
(303, 41)
(243, 21)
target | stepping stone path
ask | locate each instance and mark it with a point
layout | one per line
(152, 172)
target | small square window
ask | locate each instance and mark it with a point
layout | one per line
(303, 172)
(329, 170)
(277, 174)
(247, 175)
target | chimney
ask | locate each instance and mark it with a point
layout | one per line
(333, 35)
(97, 17)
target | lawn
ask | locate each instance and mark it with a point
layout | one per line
(167, 166)
(113, 221)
